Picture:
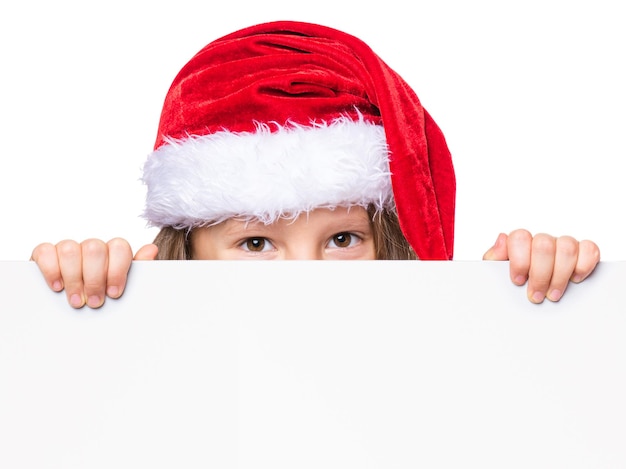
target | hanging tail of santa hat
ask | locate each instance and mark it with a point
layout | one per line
(281, 118)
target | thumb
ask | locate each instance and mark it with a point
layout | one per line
(499, 251)
(146, 253)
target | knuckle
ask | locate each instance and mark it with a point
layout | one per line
(520, 235)
(543, 244)
(41, 249)
(591, 250)
(567, 246)
(67, 247)
(93, 287)
(540, 281)
(117, 242)
(93, 246)
(118, 245)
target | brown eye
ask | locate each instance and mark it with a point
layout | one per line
(255, 244)
(342, 240)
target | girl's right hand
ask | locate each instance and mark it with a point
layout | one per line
(89, 271)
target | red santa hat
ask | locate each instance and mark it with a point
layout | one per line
(282, 118)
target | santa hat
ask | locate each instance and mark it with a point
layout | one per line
(281, 118)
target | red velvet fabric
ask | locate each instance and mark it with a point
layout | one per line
(299, 72)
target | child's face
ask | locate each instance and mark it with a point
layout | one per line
(323, 234)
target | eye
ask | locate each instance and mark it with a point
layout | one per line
(343, 240)
(256, 245)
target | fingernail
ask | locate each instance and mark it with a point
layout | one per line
(537, 297)
(56, 286)
(94, 301)
(113, 291)
(519, 280)
(555, 295)
(76, 300)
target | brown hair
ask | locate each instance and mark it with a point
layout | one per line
(388, 238)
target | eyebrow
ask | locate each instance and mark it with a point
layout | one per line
(251, 228)
(234, 227)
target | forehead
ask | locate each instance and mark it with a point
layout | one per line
(339, 215)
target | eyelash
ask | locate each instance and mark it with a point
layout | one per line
(352, 237)
(246, 245)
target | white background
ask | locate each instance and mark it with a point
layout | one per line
(530, 96)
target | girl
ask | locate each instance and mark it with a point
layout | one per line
(291, 140)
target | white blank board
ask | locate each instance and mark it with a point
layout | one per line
(314, 364)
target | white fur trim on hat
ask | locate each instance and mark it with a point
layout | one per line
(267, 175)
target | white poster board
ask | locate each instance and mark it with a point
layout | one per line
(314, 364)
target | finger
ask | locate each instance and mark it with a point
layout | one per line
(147, 253)
(95, 262)
(45, 256)
(519, 245)
(70, 263)
(588, 258)
(565, 260)
(120, 257)
(541, 267)
(499, 251)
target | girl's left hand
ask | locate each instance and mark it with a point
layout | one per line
(548, 263)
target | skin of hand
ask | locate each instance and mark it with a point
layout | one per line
(92, 270)
(89, 271)
(546, 262)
